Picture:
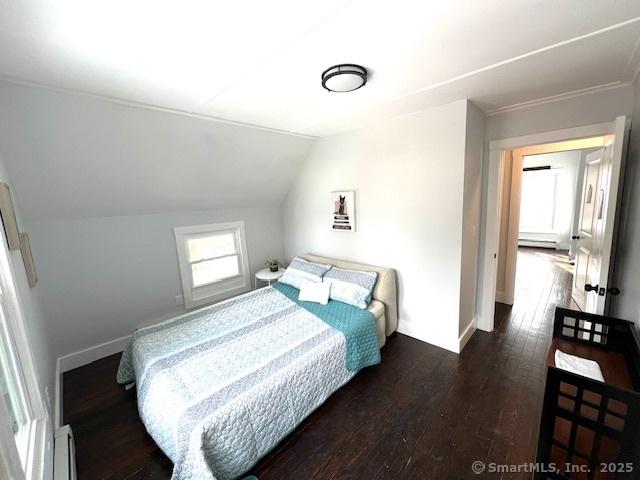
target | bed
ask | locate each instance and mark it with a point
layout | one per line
(219, 387)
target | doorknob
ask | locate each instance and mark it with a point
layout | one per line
(575, 237)
(613, 291)
(590, 288)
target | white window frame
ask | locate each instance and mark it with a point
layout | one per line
(208, 293)
(23, 457)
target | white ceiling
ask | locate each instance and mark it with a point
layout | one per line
(259, 62)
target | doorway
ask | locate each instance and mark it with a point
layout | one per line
(547, 228)
(544, 184)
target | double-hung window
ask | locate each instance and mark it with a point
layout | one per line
(213, 262)
(538, 201)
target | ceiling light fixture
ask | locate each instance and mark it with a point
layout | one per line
(346, 77)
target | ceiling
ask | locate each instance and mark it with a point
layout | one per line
(259, 63)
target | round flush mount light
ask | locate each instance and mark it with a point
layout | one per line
(346, 77)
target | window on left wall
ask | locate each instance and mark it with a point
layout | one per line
(213, 261)
(23, 415)
(12, 387)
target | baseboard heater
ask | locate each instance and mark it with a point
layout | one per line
(64, 455)
(527, 242)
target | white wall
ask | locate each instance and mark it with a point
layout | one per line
(474, 138)
(73, 156)
(409, 178)
(567, 166)
(101, 278)
(627, 273)
(102, 185)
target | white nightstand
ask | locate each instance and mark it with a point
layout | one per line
(266, 275)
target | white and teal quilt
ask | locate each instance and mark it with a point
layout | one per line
(219, 387)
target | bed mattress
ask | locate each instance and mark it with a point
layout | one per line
(219, 387)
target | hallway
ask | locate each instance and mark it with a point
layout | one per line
(543, 282)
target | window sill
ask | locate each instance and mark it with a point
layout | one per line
(222, 281)
(197, 302)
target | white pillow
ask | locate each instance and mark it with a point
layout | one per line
(315, 292)
(302, 271)
(354, 287)
(578, 365)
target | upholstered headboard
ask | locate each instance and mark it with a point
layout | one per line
(384, 291)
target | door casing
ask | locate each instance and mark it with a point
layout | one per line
(492, 195)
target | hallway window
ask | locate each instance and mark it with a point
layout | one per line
(538, 201)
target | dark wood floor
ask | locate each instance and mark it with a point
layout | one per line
(423, 413)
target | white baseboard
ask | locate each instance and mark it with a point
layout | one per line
(455, 346)
(79, 359)
(466, 334)
(91, 354)
(501, 297)
(410, 330)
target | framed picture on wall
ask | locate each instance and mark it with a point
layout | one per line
(343, 211)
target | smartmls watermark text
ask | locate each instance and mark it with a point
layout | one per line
(479, 467)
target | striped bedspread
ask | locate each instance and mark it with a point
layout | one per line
(219, 387)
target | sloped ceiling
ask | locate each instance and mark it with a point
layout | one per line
(70, 156)
(260, 62)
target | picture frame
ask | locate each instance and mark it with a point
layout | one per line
(27, 258)
(343, 211)
(8, 215)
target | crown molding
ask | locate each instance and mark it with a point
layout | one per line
(520, 57)
(557, 98)
(148, 106)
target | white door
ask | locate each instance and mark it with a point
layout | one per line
(596, 228)
(587, 262)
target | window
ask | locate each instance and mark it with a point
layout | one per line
(11, 386)
(24, 428)
(538, 201)
(213, 261)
